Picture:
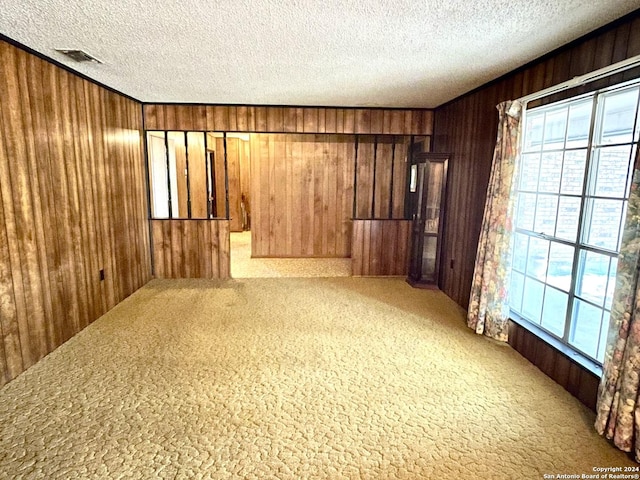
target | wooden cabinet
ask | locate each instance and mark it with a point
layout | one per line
(426, 199)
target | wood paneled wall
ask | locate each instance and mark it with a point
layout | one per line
(72, 203)
(302, 188)
(466, 128)
(191, 248)
(576, 379)
(235, 153)
(380, 247)
(224, 118)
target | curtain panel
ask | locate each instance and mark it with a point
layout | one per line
(488, 305)
(618, 413)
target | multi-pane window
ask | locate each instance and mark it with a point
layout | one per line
(574, 178)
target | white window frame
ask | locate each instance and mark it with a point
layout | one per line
(580, 244)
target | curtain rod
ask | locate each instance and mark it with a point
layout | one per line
(586, 78)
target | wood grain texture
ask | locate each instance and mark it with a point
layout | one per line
(197, 174)
(466, 128)
(225, 118)
(245, 177)
(574, 378)
(380, 247)
(72, 203)
(191, 248)
(234, 146)
(302, 194)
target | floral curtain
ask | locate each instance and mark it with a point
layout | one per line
(618, 412)
(488, 306)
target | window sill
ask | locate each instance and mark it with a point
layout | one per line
(566, 350)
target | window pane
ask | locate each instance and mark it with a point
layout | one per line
(526, 210)
(579, 124)
(568, 217)
(554, 311)
(529, 171)
(555, 126)
(515, 290)
(618, 116)
(623, 219)
(550, 172)
(585, 327)
(637, 134)
(603, 223)
(573, 172)
(634, 152)
(613, 270)
(546, 210)
(429, 248)
(537, 260)
(567, 177)
(593, 273)
(604, 333)
(533, 132)
(612, 168)
(520, 244)
(532, 300)
(560, 265)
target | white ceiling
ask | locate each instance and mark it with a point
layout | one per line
(397, 53)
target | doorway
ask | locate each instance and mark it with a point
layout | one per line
(287, 218)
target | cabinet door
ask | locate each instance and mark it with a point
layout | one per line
(431, 171)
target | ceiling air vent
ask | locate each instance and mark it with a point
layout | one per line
(78, 55)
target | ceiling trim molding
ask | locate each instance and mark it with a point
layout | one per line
(257, 105)
(58, 64)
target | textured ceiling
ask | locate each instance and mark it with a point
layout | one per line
(397, 53)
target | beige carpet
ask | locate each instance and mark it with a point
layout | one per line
(291, 379)
(243, 266)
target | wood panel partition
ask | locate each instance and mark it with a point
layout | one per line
(467, 127)
(302, 187)
(73, 208)
(380, 247)
(231, 118)
(191, 248)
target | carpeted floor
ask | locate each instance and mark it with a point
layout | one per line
(243, 266)
(291, 379)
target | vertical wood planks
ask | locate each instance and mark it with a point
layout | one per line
(302, 195)
(380, 247)
(226, 118)
(72, 203)
(572, 377)
(191, 248)
(233, 168)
